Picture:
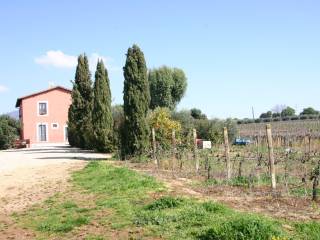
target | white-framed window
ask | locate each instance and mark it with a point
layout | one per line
(42, 132)
(54, 125)
(42, 108)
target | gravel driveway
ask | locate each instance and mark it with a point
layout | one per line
(31, 175)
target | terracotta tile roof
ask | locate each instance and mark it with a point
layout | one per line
(41, 92)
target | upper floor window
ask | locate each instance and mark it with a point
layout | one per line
(43, 108)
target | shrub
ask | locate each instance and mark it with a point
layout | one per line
(160, 120)
(9, 131)
(164, 203)
(242, 228)
(212, 207)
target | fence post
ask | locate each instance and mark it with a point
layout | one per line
(227, 152)
(195, 149)
(309, 146)
(174, 143)
(174, 147)
(271, 157)
(154, 147)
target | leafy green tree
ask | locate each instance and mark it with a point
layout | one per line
(309, 111)
(102, 121)
(167, 86)
(136, 99)
(213, 129)
(9, 131)
(276, 115)
(160, 119)
(266, 115)
(288, 112)
(197, 114)
(79, 116)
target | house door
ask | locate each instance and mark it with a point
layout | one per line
(42, 131)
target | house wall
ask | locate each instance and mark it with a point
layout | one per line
(57, 108)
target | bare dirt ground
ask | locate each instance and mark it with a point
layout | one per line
(29, 176)
(257, 200)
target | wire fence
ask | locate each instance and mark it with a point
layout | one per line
(283, 164)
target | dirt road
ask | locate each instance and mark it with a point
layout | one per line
(28, 176)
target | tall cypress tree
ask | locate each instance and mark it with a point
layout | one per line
(73, 126)
(136, 100)
(79, 122)
(102, 120)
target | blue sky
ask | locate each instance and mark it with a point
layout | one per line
(236, 54)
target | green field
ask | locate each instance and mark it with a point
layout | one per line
(108, 202)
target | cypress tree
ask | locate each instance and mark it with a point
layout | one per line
(136, 100)
(79, 122)
(102, 121)
(73, 127)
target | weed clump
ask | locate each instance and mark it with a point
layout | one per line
(242, 228)
(310, 231)
(165, 202)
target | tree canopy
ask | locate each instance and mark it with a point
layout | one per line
(266, 115)
(102, 121)
(197, 114)
(167, 86)
(79, 116)
(288, 112)
(136, 100)
(9, 131)
(160, 119)
(309, 111)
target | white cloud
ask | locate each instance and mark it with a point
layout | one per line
(61, 60)
(3, 88)
(57, 59)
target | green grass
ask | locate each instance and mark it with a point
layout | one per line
(56, 217)
(120, 200)
(308, 231)
(190, 219)
(300, 192)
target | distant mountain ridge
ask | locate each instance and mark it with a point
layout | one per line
(13, 114)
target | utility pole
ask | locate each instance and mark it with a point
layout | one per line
(252, 112)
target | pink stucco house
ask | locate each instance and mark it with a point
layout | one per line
(44, 116)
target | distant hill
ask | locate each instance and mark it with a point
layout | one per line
(13, 114)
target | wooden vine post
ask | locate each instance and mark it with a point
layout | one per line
(154, 147)
(315, 178)
(195, 149)
(309, 145)
(271, 157)
(174, 148)
(227, 152)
